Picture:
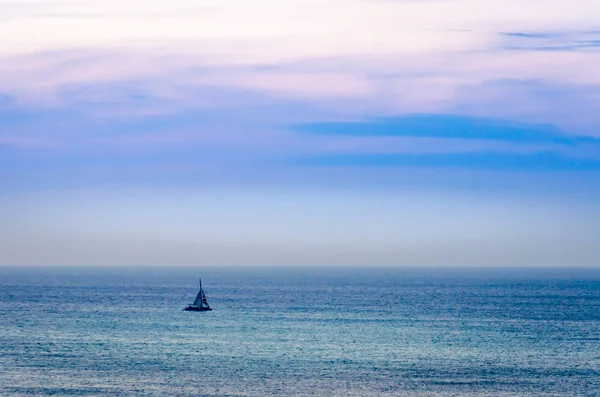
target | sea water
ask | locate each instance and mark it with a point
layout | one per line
(299, 332)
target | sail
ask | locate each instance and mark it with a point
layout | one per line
(200, 298)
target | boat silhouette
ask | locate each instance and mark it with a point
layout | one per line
(200, 303)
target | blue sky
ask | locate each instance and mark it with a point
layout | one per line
(354, 132)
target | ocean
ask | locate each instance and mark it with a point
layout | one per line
(299, 332)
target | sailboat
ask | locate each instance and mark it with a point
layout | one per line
(200, 304)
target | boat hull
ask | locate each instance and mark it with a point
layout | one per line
(197, 309)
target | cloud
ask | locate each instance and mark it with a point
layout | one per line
(573, 107)
(51, 9)
(422, 76)
(475, 161)
(161, 80)
(529, 35)
(553, 41)
(450, 126)
(529, 147)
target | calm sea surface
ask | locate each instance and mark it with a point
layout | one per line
(300, 332)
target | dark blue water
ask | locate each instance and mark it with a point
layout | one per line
(301, 332)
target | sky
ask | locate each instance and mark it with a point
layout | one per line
(345, 132)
